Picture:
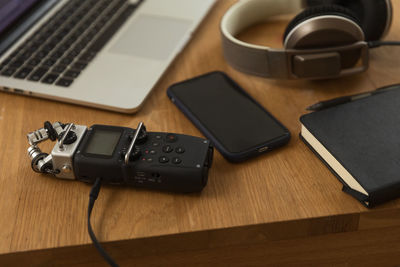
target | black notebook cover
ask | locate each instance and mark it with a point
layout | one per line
(362, 138)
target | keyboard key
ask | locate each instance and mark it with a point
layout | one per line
(41, 39)
(63, 47)
(73, 37)
(7, 61)
(68, 42)
(46, 34)
(85, 40)
(79, 65)
(66, 60)
(58, 38)
(110, 31)
(52, 28)
(92, 33)
(8, 72)
(16, 63)
(50, 78)
(32, 48)
(80, 30)
(13, 55)
(38, 74)
(58, 69)
(65, 31)
(34, 62)
(72, 73)
(25, 55)
(48, 47)
(10, 58)
(98, 26)
(42, 54)
(74, 53)
(23, 73)
(64, 82)
(56, 54)
(80, 46)
(75, 20)
(36, 43)
(72, 24)
(115, 8)
(87, 57)
(49, 62)
(104, 19)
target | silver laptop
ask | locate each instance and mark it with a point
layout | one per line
(107, 54)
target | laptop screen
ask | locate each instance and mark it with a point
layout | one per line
(11, 10)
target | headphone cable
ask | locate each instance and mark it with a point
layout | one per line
(94, 193)
(375, 44)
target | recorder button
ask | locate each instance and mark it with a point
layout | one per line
(123, 153)
(167, 148)
(176, 160)
(135, 154)
(66, 169)
(70, 138)
(142, 136)
(163, 159)
(156, 144)
(171, 138)
(179, 150)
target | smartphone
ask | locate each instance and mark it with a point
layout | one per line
(239, 126)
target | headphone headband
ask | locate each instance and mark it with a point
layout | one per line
(248, 12)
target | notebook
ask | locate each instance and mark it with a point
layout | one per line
(102, 53)
(360, 143)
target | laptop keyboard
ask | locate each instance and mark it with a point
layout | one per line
(62, 48)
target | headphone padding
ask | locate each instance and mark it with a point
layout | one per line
(373, 16)
(321, 10)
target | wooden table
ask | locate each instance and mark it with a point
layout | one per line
(284, 208)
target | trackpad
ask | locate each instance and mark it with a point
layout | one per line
(151, 37)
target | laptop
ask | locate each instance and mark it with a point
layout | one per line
(107, 54)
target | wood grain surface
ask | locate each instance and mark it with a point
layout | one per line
(252, 213)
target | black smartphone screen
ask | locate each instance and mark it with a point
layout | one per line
(222, 109)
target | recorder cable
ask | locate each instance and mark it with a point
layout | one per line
(94, 193)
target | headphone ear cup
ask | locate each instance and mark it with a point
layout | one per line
(325, 26)
(375, 16)
(319, 11)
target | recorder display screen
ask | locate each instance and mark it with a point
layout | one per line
(103, 142)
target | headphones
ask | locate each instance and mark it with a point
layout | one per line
(328, 39)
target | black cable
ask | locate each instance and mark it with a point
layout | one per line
(94, 193)
(375, 44)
